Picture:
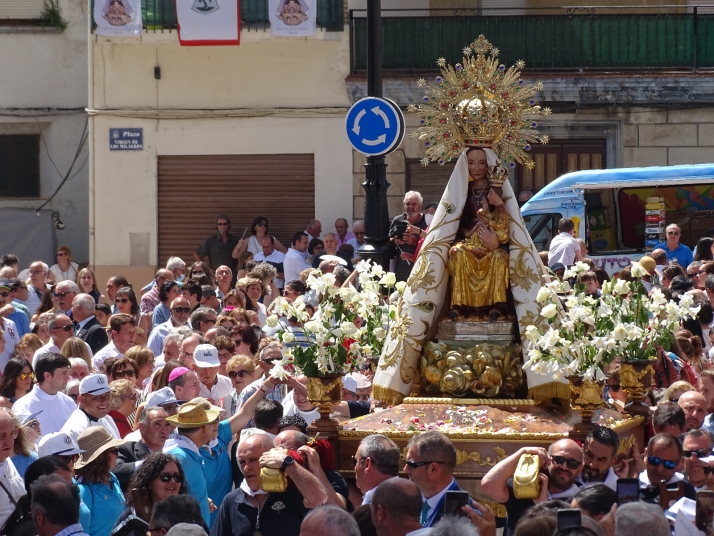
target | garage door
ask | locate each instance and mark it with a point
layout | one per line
(193, 190)
(429, 181)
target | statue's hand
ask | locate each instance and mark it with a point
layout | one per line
(488, 237)
(478, 252)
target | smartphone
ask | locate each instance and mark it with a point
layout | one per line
(569, 517)
(454, 501)
(142, 503)
(628, 490)
(705, 511)
(131, 525)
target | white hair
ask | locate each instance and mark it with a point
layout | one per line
(175, 262)
(86, 303)
(69, 285)
(71, 383)
(452, 525)
(637, 518)
(335, 520)
(361, 222)
(78, 361)
(416, 195)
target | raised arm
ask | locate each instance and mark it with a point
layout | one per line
(240, 419)
(495, 481)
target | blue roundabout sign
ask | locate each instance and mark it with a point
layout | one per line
(375, 126)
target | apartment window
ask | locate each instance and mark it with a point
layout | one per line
(20, 165)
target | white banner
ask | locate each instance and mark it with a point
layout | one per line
(293, 18)
(118, 17)
(208, 22)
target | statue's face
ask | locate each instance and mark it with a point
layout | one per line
(477, 164)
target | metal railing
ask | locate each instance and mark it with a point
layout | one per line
(160, 15)
(567, 39)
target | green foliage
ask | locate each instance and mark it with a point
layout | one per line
(51, 15)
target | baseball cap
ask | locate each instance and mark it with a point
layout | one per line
(164, 395)
(5, 283)
(206, 355)
(30, 418)
(94, 384)
(58, 444)
(361, 380)
(349, 383)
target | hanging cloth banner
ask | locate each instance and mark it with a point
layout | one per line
(293, 18)
(208, 22)
(119, 18)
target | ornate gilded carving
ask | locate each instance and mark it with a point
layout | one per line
(626, 445)
(480, 437)
(462, 457)
(319, 391)
(471, 401)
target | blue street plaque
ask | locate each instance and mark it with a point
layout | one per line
(375, 126)
(126, 139)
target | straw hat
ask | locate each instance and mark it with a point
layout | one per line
(193, 415)
(94, 441)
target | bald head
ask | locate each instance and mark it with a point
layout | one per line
(567, 446)
(164, 275)
(694, 406)
(397, 498)
(329, 520)
(659, 256)
(291, 439)
(257, 442)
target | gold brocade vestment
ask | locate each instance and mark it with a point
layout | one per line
(480, 282)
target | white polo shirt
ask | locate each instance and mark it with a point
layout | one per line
(56, 409)
(78, 422)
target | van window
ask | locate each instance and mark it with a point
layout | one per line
(542, 228)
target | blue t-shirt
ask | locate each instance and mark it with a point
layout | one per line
(217, 468)
(192, 464)
(683, 254)
(21, 462)
(105, 503)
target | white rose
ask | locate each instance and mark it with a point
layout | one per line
(532, 333)
(549, 311)
(400, 286)
(380, 334)
(620, 333)
(622, 287)
(272, 321)
(544, 295)
(288, 337)
(637, 270)
(388, 280)
(348, 328)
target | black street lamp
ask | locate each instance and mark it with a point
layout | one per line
(376, 210)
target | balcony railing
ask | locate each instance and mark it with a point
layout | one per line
(159, 15)
(572, 39)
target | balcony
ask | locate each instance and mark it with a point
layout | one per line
(160, 15)
(567, 39)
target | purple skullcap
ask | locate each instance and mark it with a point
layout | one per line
(177, 372)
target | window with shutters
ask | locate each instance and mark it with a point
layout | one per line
(20, 165)
(194, 189)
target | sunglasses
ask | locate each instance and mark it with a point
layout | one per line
(24, 375)
(707, 470)
(699, 453)
(74, 396)
(181, 309)
(121, 300)
(672, 233)
(261, 224)
(166, 477)
(571, 463)
(61, 294)
(4, 294)
(60, 254)
(270, 360)
(416, 465)
(615, 387)
(122, 373)
(65, 328)
(242, 373)
(654, 460)
(237, 341)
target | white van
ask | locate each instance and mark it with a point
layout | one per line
(608, 208)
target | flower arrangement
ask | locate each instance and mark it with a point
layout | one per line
(347, 328)
(585, 333)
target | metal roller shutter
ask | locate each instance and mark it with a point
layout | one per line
(429, 181)
(194, 189)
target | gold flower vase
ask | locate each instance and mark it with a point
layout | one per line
(586, 396)
(323, 392)
(636, 380)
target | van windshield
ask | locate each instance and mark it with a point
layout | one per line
(542, 228)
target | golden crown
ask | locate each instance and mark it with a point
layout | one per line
(497, 175)
(479, 103)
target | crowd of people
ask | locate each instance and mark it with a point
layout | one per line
(153, 410)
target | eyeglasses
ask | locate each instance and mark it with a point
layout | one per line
(263, 224)
(181, 309)
(68, 327)
(24, 375)
(357, 233)
(121, 300)
(166, 477)
(35, 272)
(693, 273)
(699, 453)
(615, 387)
(4, 294)
(672, 232)
(416, 465)
(60, 254)
(122, 373)
(61, 294)
(74, 396)
(270, 360)
(707, 470)
(242, 373)
(570, 462)
(237, 341)
(654, 460)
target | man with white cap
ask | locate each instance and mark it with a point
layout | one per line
(154, 430)
(93, 408)
(213, 386)
(163, 398)
(52, 373)
(59, 444)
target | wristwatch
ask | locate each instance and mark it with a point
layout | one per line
(288, 461)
